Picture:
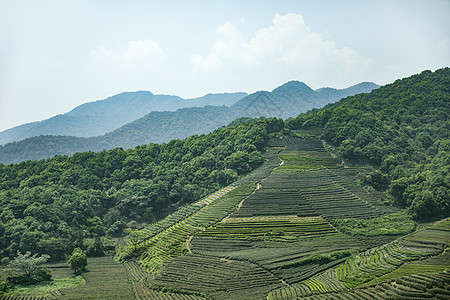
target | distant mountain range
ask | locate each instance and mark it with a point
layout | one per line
(102, 116)
(158, 126)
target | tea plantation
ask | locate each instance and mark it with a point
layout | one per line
(299, 227)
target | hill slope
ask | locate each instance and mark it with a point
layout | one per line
(285, 101)
(403, 129)
(102, 116)
(299, 226)
(65, 195)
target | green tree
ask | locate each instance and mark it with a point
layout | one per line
(27, 264)
(78, 261)
(27, 270)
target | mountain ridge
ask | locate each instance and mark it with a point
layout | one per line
(287, 100)
(102, 116)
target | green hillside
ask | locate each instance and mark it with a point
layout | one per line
(347, 202)
(402, 129)
(49, 206)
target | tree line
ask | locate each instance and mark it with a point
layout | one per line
(54, 205)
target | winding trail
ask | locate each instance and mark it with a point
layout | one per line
(188, 244)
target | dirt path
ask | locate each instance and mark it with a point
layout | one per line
(188, 244)
(258, 186)
(343, 162)
(282, 161)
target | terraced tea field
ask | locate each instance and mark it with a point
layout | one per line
(383, 264)
(250, 228)
(274, 234)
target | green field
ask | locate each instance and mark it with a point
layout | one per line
(104, 279)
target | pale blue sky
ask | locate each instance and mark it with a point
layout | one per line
(55, 55)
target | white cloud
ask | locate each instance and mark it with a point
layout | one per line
(289, 44)
(443, 48)
(137, 54)
(140, 65)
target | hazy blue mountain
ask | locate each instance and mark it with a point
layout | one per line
(293, 98)
(161, 127)
(285, 101)
(102, 116)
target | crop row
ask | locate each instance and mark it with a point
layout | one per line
(263, 228)
(271, 160)
(379, 261)
(362, 268)
(270, 202)
(179, 215)
(421, 286)
(218, 278)
(310, 144)
(22, 297)
(323, 283)
(319, 192)
(304, 159)
(143, 291)
(134, 270)
(298, 180)
(211, 245)
(337, 202)
(171, 242)
(274, 254)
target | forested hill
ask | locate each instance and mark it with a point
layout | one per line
(402, 128)
(102, 116)
(51, 206)
(285, 101)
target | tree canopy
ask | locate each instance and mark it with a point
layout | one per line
(54, 205)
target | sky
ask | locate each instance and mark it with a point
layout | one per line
(55, 55)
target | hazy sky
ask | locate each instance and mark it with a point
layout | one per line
(55, 55)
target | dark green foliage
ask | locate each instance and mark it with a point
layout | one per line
(78, 261)
(38, 275)
(25, 269)
(51, 206)
(393, 224)
(321, 258)
(26, 264)
(403, 129)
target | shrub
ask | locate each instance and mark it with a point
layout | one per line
(78, 261)
(38, 275)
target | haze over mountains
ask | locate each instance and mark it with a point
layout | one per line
(102, 116)
(136, 118)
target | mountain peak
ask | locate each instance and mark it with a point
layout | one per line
(295, 85)
(298, 88)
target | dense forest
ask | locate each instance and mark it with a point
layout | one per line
(403, 129)
(51, 206)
